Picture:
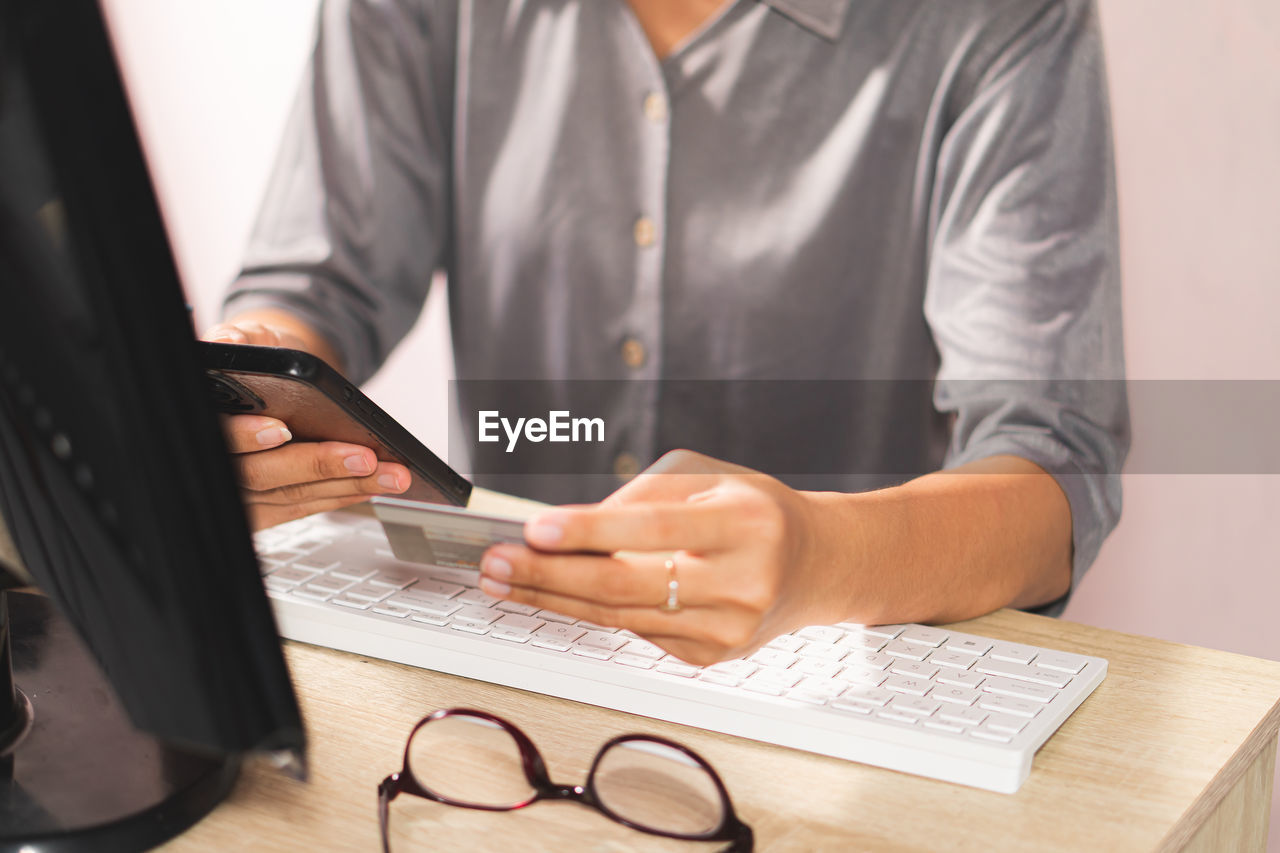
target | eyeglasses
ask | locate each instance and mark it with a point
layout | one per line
(468, 758)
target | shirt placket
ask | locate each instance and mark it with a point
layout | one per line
(640, 350)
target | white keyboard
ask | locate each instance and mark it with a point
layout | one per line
(923, 700)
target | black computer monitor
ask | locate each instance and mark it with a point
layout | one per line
(114, 480)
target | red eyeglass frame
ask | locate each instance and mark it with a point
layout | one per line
(731, 828)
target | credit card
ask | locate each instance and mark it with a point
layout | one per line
(442, 535)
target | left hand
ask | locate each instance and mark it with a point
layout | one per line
(743, 545)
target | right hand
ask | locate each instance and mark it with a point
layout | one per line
(281, 480)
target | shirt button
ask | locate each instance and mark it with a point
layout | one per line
(645, 232)
(633, 353)
(626, 466)
(655, 107)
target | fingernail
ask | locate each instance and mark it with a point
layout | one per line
(492, 587)
(234, 335)
(391, 482)
(358, 464)
(545, 530)
(496, 568)
(271, 436)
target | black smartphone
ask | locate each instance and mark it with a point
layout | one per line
(319, 404)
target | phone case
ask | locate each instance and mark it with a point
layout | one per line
(319, 404)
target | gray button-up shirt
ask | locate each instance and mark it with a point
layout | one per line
(843, 220)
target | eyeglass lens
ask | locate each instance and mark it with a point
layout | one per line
(469, 760)
(655, 785)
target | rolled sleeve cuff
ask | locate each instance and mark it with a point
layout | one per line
(1094, 497)
(320, 306)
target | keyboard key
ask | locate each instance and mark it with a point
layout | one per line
(469, 627)
(1005, 723)
(591, 652)
(899, 649)
(1013, 654)
(315, 563)
(430, 619)
(602, 640)
(517, 607)
(819, 667)
(959, 678)
(509, 636)
(955, 695)
(287, 578)
(515, 622)
(476, 597)
(395, 580)
(440, 588)
(943, 726)
(914, 669)
(439, 609)
(917, 706)
(898, 716)
(786, 643)
(961, 714)
(1009, 705)
(1020, 689)
(553, 645)
(921, 635)
(678, 667)
(353, 573)
(636, 661)
(740, 668)
(863, 675)
(559, 632)
(552, 616)
(877, 696)
(863, 642)
(824, 651)
(1062, 662)
(869, 660)
(903, 684)
(820, 633)
(783, 679)
(326, 583)
(311, 594)
(644, 649)
(368, 592)
(474, 614)
(842, 704)
(952, 660)
(353, 603)
(462, 577)
(1034, 674)
(829, 687)
(415, 600)
(991, 735)
(966, 644)
(391, 610)
(773, 657)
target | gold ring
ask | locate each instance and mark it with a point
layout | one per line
(672, 604)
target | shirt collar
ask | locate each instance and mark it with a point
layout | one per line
(824, 17)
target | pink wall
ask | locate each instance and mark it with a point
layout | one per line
(1196, 93)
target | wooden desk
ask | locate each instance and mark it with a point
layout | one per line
(1174, 750)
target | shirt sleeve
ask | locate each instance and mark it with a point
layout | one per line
(1023, 292)
(355, 216)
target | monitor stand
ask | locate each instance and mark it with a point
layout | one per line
(74, 773)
